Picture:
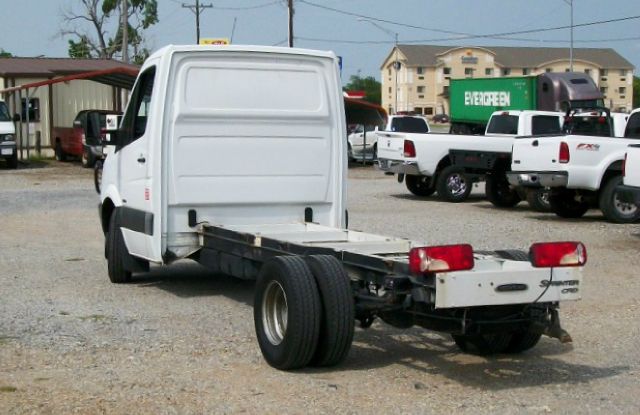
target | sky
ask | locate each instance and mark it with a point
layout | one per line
(362, 32)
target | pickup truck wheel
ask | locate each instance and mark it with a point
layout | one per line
(60, 155)
(538, 199)
(453, 185)
(499, 192)
(614, 209)
(287, 312)
(483, 344)
(116, 251)
(338, 315)
(97, 175)
(564, 204)
(87, 159)
(522, 341)
(420, 185)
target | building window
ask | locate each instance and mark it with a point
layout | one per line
(622, 90)
(389, 89)
(445, 90)
(488, 71)
(468, 72)
(526, 71)
(417, 110)
(604, 72)
(587, 71)
(389, 70)
(420, 96)
(446, 71)
(420, 70)
(603, 89)
(506, 71)
(567, 70)
(428, 111)
(547, 70)
(34, 109)
(603, 79)
(623, 72)
(420, 90)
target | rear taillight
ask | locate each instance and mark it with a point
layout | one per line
(563, 154)
(409, 148)
(558, 254)
(442, 258)
(624, 165)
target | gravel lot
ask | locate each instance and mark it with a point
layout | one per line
(181, 340)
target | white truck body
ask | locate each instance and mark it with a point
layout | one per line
(364, 144)
(8, 146)
(235, 156)
(583, 164)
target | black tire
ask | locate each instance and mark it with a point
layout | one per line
(522, 341)
(116, 251)
(12, 162)
(453, 185)
(564, 204)
(287, 312)
(60, 154)
(338, 315)
(420, 185)
(538, 199)
(483, 344)
(614, 209)
(499, 192)
(97, 175)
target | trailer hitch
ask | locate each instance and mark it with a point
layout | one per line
(553, 329)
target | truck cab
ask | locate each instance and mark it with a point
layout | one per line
(8, 147)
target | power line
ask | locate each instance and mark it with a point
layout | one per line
(258, 6)
(197, 9)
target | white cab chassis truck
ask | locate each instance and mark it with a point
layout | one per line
(235, 157)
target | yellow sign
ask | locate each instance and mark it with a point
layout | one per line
(212, 41)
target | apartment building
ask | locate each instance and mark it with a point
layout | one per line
(416, 77)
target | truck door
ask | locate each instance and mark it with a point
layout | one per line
(134, 179)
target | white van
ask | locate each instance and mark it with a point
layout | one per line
(8, 148)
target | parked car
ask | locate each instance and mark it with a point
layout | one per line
(8, 149)
(441, 118)
(83, 139)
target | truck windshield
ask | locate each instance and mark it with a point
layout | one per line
(593, 125)
(503, 124)
(409, 125)
(633, 126)
(4, 112)
(545, 124)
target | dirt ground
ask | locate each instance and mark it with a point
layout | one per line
(181, 340)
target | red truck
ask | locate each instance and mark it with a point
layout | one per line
(82, 140)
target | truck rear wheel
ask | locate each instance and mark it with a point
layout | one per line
(613, 208)
(563, 203)
(483, 344)
(287, 312)
(97, 175)
(116, 251)
(522, 341)
(338, 315)
(453, 185)
(538, 199)
(60, 154)
(12, 162)
(420, 185)
(499, 192)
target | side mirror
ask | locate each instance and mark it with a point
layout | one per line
(16, 118)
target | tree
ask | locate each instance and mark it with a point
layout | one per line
(636, 92)
(371, 87)
(96, 30)
(5, 54)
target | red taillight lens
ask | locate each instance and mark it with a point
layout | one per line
(558, 254)
(409, 148)
(442, 258)
(624, 165)
(602, 120)
(563, 154)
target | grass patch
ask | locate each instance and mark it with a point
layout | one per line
(8, 389)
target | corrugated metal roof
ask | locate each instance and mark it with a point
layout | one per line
(519, 57)
(47, 67)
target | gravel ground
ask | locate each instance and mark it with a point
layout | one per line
(181, 340)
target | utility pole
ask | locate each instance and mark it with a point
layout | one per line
(125, 31)
(290, 23)
(197, 9)
(570, 4)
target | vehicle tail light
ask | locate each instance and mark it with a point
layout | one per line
(558, 254)
(443, 258)
(602, 120)
(624, 165)
(563, 154)
(409, 148)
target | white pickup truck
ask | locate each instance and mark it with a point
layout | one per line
(583, 171)
(235, 157)
(451, 163)
(363, 140)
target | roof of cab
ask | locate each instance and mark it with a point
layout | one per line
(170, 49)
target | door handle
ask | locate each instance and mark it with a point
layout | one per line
(535, 143)
(141, 159)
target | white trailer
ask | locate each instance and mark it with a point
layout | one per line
(236, 157)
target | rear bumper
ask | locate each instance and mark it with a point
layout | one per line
(8, 149)
(399, 167)
(538, 179)
(629, 194)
